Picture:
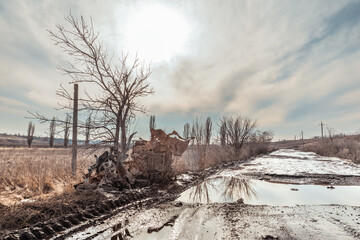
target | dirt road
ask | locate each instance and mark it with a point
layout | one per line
(284, 195)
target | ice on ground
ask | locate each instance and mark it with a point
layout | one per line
(293, 153)
(294, 162)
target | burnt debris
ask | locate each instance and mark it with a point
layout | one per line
(150, 161)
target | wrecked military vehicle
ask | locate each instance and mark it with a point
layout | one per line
(149, 162)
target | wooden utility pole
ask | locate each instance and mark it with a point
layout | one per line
(74, 135)
(322, 131)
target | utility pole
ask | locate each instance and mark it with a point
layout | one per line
(74, 135)
(322, 132)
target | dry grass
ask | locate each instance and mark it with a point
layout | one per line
(28, 173)
(200, 157)
(39, 173)
(345, 147)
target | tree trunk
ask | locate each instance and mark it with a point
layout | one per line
(123, 128)
(75, 130)
(123, 136)
(117, 132)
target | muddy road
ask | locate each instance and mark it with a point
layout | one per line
(287, 194)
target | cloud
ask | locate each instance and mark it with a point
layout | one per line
(289, 61)
(285, 63)
(12, 102)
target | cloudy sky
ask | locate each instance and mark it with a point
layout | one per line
(287, 64)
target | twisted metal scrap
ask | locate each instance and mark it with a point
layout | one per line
(176, 146)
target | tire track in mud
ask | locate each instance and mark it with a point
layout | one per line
(65, 226)
(134, 200)
(121, 229)
(346, 227)
(255, 222)
(74, 221)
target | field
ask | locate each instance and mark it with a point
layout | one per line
(266, 197)
(36, 185)
(171, 109)
(7, 140)
(41, 172)
(31, 173)
(347, 147)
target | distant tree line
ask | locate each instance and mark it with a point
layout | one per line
(233, 134)
(65, 128)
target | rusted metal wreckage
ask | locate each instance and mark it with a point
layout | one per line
(150, 161)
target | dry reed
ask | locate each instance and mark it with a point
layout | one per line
(32, 172)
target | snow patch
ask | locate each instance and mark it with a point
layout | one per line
(294, 162)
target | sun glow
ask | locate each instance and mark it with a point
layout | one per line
(157, 33)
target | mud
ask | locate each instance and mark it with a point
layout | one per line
(85, 212)
(156, 213)
(229, 221)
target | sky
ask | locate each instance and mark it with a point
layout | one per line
(286, 64)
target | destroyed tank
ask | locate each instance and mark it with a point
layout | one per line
(151, 161)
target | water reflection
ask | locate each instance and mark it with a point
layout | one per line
(257, 192)
(238, 187)
(230, 189)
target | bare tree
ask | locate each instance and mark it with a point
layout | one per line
(222, 133)
(67, 130)
(120, 84)
(198, 131)
(265, 136)
(199, 149)
(331, 133)
(238, 131)
(208, 131)
(30, 133)
(186, 133)
(152, 124)
(52, 131)
(259, 141)
(87, 130)
(193, 134)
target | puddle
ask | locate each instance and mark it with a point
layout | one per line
(257, 192)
